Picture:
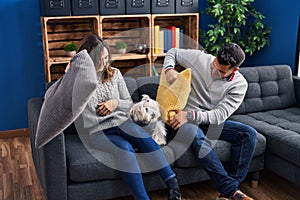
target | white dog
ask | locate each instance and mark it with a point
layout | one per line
(146, 113)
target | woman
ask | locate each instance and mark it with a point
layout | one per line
(110, 130)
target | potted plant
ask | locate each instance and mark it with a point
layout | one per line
(235, 21)
(70, 49)
(121, 47)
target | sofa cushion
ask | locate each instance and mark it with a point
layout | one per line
(83, 167)
(269, 87)
(148, 85)
(173, 96)
(132, 88)
(66, 98)
(222, 148)
(281, 128)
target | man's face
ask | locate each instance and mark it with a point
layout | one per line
(219, 71)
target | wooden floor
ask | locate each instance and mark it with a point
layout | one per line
(18, 180)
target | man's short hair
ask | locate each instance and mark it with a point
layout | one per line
(231, 54)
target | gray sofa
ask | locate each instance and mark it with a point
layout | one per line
(272, 107)
(67, 171)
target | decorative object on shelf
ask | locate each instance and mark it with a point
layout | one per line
(138, 7)
(70, 49)
(85, 7)
(53, 8)
(186, 6)
(163, 7)
(121, 47)
(245, 27)
(141, 48)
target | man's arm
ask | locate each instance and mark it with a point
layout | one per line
(226, 107)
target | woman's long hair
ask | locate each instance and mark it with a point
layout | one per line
(95, 46)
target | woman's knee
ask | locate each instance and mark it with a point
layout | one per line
(126, 146)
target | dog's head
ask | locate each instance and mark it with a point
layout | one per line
(145, 112)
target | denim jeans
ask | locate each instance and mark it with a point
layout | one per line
(122, 142)
(243, 140)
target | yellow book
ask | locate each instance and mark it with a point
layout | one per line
(156, 39)
(161, 41)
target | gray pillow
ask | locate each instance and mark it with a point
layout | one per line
(66, 99)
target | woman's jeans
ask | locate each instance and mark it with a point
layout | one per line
(122, 142)
(243, 140)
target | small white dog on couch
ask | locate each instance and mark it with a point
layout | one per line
(146, 113)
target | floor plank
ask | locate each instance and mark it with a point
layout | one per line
(18, 180)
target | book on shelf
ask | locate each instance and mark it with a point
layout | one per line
(154, 70)
(173, 33)
(167, 38)
(181, 38)
(177, 37)
(156, 39)
(157, 69)
(161, 41)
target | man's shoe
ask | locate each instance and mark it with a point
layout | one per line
(239, 195)
(174, 194)
(223, 197)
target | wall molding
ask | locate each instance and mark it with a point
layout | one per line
(14, 133)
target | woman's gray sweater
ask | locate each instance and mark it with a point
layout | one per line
(114, 89)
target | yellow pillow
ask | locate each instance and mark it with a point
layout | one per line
(173, 97)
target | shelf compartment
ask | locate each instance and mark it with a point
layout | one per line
(58, 31)
(131, 29)
(57, 71)
(188, 23)
(133, 68)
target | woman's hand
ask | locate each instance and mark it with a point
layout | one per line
(171, 75)
(68, 67)
(107, 107)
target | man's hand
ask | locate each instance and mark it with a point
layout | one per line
(178, 119)
(107, 107)
(171, 75)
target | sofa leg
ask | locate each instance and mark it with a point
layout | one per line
(254, 177)
(254, 184)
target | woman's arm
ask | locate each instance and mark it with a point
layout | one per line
(125, 101)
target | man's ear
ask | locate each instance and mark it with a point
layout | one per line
(236, 69)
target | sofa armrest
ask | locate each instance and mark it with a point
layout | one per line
(296, 80)
(50, 160)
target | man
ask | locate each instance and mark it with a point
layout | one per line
(217, 90)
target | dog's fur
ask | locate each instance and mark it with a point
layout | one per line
(146, 113)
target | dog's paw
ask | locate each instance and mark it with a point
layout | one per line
(159, 138)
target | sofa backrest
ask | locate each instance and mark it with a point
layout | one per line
(142, 85)
(269, 87)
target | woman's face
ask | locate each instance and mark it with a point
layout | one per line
(104, 60)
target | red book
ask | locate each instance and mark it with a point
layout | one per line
(173, 30)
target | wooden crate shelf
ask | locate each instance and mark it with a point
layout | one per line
(132, 29)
